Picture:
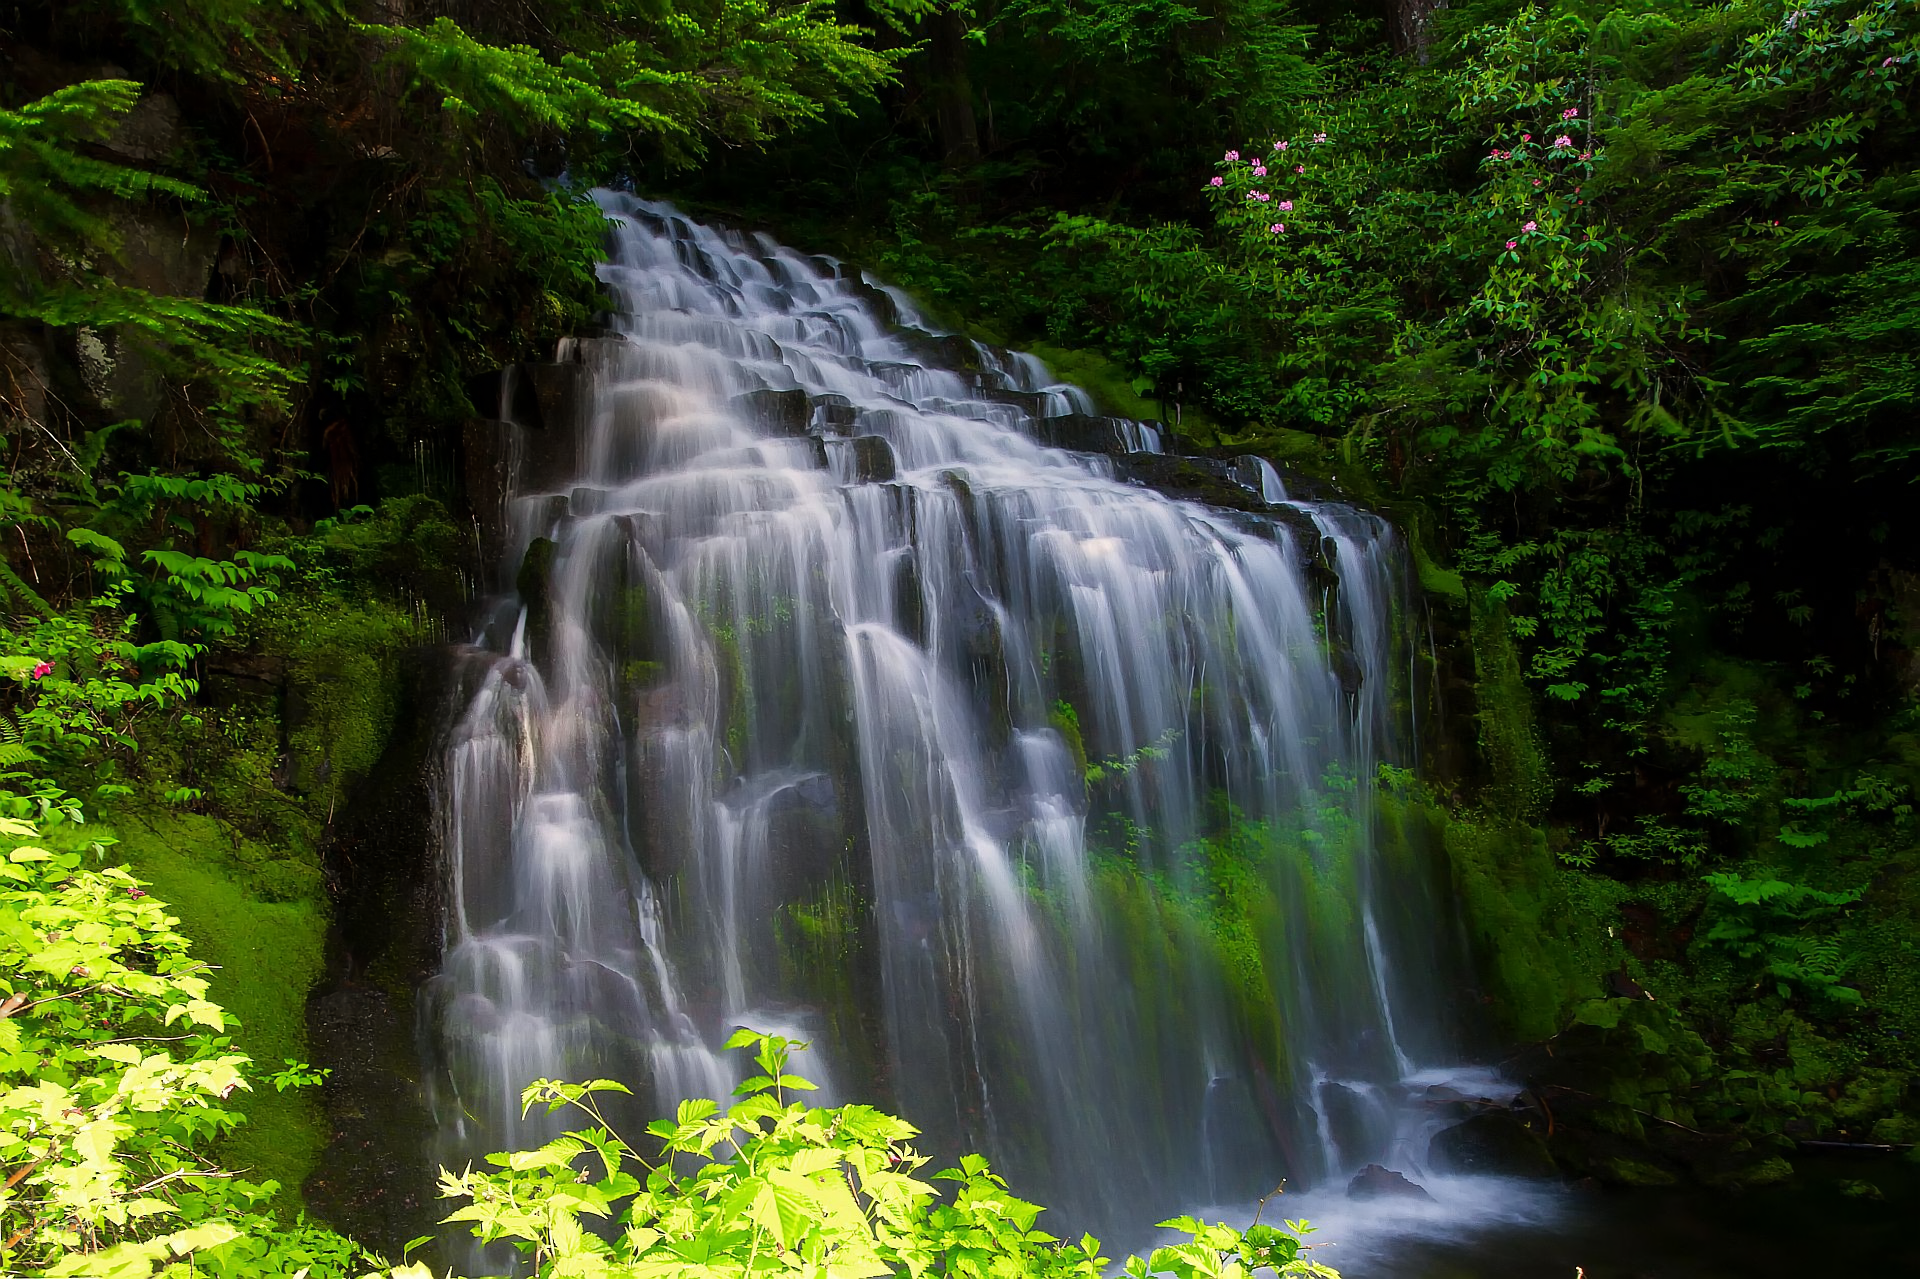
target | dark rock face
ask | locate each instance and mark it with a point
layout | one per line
(834, 413)
(782, 412)
(1376, 1182)
(1496, 1142)
(535, 584)
(375, 1177)
(1358, 1124)
(562, 392)
(873, 461)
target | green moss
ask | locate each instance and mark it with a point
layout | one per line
(1519, 781)
(1637, 1172)
(269, 955)
(1115, 392)
(1066, 722)
(1527, 933)
(344, 685)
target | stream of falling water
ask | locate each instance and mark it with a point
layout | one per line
(835, 700)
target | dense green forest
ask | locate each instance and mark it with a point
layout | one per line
(1613, 309)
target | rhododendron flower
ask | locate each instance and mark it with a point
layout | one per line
(43, 670)
(1286, 206)
(1279, 146)
(136, 892)
(1886, 64)
(1569, 113)
(1232, 156)
(1562, 141)
(1586, 155)
(1219, 182)
(1513, 244)
(1530, 228)
(1299, 168)
(1278, 228)
(1536, 182)
(1319, 137)
(1526, 137)
(1259, 170)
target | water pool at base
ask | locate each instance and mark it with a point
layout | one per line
(1818, 1224)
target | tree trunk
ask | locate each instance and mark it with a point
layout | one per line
(1407, 26)
(953, 91)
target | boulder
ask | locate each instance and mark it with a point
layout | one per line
(1357, 1122)
(1376, 1182)
(1494, 1142)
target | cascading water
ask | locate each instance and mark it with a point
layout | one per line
(836, 701)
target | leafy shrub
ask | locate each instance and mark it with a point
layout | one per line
(113, 1069)
(770, 1186)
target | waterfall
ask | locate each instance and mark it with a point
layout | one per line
(839, 697)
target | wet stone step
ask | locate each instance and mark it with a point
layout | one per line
(834, 413)
(873, 460)
(782, 412)
(1087, 433)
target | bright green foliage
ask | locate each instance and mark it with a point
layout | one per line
(113, 1069)
(1221, 1252)
(1767, 923)
(739, 70)
(769, 1186)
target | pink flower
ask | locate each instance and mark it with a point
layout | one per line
(136, 892)
(1562, 141)
(1278, 228)
(1319, 137)
(1526, 137)
(1232, 156)
(1299, 168)
(1536, 182)
(1219, 182)
(43, 670)
(1530, 228)
(1279, 146)
(1494, 154)
(1886, 64)
(1513, 244)
(1586, 155)
(1286, 206)
(1259, 170)
(1569, 113)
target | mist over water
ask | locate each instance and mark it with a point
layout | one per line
(833, 700)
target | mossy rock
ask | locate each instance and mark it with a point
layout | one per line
(1635, 1172)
